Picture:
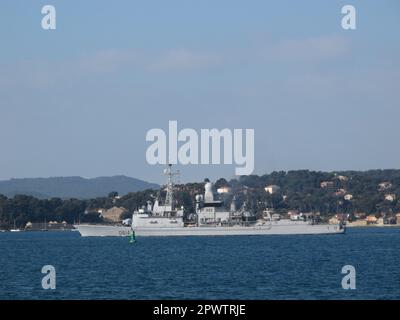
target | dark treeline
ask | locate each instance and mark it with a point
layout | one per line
(22, 208)
(299, 190)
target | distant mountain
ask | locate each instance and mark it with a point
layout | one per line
(73, 187)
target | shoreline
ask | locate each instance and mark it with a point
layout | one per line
(373, 226)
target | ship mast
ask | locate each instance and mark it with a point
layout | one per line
(169, 199)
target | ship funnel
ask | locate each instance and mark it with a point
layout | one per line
(208, 194)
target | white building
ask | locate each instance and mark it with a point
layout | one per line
(348, 197)
(326, 184)
(390, 197)
(384, 185)
(271, 189)
(223, 190)
(340, 192)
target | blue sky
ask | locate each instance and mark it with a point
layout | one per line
(79, 100)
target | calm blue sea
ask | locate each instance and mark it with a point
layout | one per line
(255, 267)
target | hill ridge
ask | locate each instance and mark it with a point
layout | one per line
(73, 186)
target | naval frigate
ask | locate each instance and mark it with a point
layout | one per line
(210, 218)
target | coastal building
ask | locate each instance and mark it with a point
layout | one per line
(390, 197)
(342, 178)
(371, 219)
(380, 221)
(116, 198)
(224, 190)
(292, 213)
(360, 215)
(295, 217)
(276, 216)
(398, 218)
(348, 197)
(384, 186)
(51, 225)
(340, 192)
(326, 184)
(338, 218)
(271, 189)
(114, 214)
(334, 220)
(357, 223)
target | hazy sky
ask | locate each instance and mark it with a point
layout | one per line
(79, 100)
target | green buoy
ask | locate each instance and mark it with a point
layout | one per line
(132, 237)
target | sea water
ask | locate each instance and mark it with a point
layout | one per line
(228, 267)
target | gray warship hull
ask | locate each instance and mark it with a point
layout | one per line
(291, 228)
